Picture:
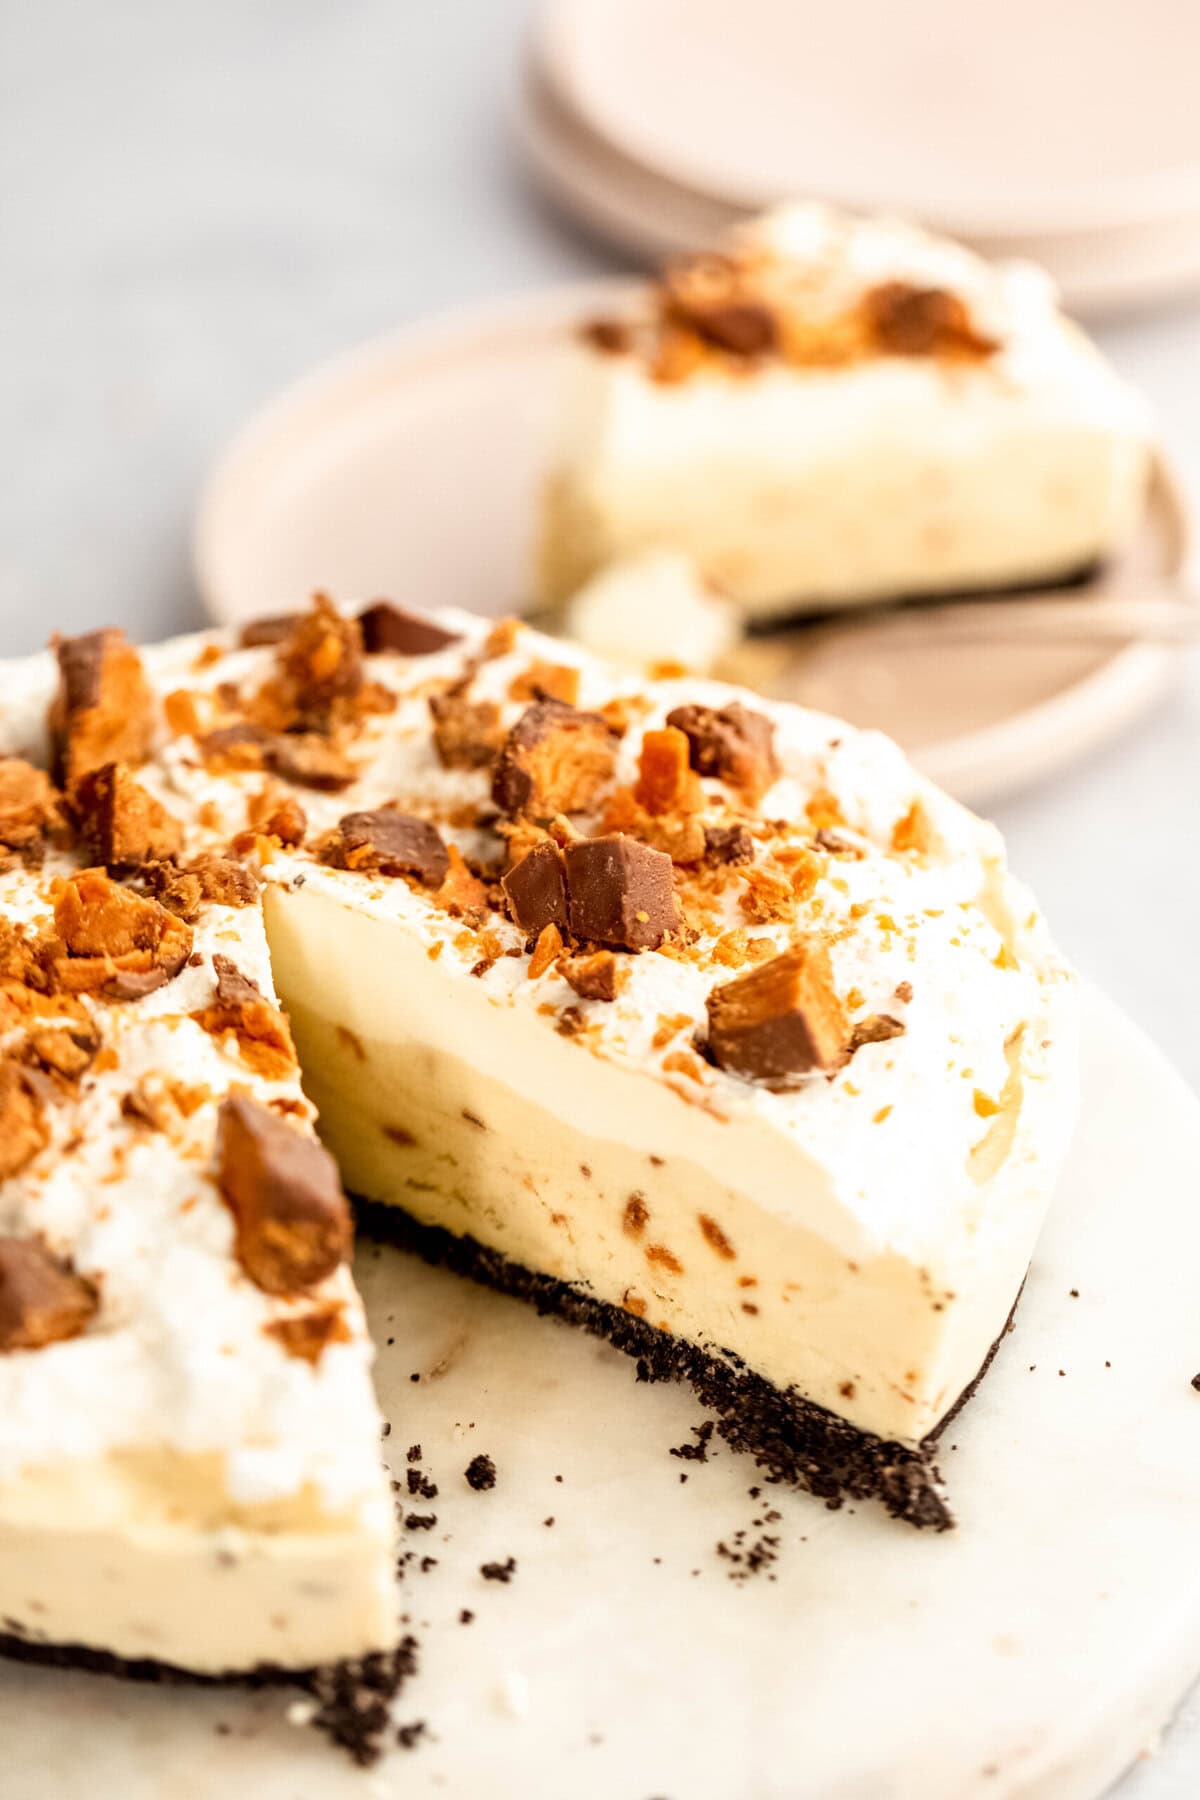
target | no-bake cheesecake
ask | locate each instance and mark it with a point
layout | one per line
(703, 1021)
(828, 410)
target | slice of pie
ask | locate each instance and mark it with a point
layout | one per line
(828, 410)
(704, 1022)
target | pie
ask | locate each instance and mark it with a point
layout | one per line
(702, 1021)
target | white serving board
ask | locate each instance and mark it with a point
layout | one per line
(411, 467)
(1031, 1653)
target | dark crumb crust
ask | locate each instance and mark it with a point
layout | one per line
(353, 1696)
(793, 1439)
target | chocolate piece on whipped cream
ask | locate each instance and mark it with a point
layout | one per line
(923, 321)
(466, 733)
(120, 824)
(878, 1029)
(293, 1221)
(242, 1008)
(305, 758)
(555, 759)
(732, 744)
(103, 711)
(30, 808)
(386, 626)
(386, 842)
(536, 889)
(274, 629)
(114, 943)
(779, 1021)
(322, 660)
(22, 1127)
(42, 1301)
(728, 844)
(620, 892)
(595, 977)
(707, 296)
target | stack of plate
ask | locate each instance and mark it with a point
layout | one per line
(1067, 133)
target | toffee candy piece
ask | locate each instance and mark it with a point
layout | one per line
(386, 626)
(42, 1301)
(594, 977)
(29, 805)
(536, 889)
(779, 1021)
(385, 842)
(916, 321)
(728, 844)
(466, 733)
(118, 945)
(282, 1187)
(322, 658)
(620, 892)
(103, 710)
(122, 826)
(554, 760)
(733, 744)
(22, 1127)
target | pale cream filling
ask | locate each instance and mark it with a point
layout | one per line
(483, 1121)
(143, 1554)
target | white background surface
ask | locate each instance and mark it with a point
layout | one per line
(199, 203)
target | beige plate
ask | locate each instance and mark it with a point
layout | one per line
(960, 115)
(410, 467)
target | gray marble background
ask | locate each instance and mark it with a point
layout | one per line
(199, 202)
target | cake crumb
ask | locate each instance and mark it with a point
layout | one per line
(499, 1571)
(480, 1474)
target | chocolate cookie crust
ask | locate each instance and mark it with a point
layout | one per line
(793, 1439)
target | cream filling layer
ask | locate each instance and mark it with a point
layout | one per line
(720, 1229)
(142, 1554)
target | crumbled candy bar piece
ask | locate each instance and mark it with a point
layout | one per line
(65, 1047)
(242, 1008)
(620, 892)
(219, 879)
(42, 1300)
(309, 760)
(275, 629)
(291, 1216)
(232, 747)
(546, 951)
(733, 744)
(878, 1029)
(103, 711)
(121, 825)
(554, 760)
(779, 1021)
(386, 842)
(666, 782)
(308, 1334)
(466, 733)
(285, 820)
(728, 844)
(705, 295)
(22, 1126)
(386, 626)
(462, 893)
(595, 977)
(536, 889)
(546, 681)
(112, 942)
(29, 805)
(322, 659)
(916, 321)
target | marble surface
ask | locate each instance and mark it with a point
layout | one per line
(199, 204)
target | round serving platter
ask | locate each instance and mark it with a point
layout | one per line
(411, 467)
(1030, 1654)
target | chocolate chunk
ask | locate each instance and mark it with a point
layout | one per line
(309, 760)
(876, 1030)
(113, 942)
(554, 760)
(612, 336)
(536, 889)
(29, 805)
(732, 744)
(385, 842)
(241, 1007)
(728, 844)
(386, 626)
(103, 711)
(916, 321)
(620, 892)
(273, 630)
(779, 1021)
(466, 733)
(121, 825)
(740, 327)
(593, 977)
(22, 1126)
(42, 1300)
(292, 1219)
